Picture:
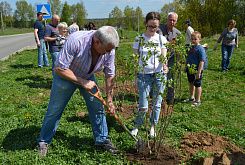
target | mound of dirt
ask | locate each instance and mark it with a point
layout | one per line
(165, 156)
(223, 152)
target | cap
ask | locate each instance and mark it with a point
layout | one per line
(39, 13)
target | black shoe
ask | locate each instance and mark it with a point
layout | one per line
(107, 146)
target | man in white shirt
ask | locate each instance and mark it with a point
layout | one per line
(189, 30)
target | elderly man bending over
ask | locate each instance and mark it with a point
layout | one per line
(84, 53)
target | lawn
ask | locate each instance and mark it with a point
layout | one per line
(25, 92)
(12, 31)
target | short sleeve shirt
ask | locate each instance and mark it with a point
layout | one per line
(76, 55)
(196, 55)
(153, 64)
(52, 31)
(41, 29)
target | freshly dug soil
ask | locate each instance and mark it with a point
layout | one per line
(222, 152)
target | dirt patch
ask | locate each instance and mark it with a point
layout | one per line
(221, 150)
(126, 111)
(166, 156)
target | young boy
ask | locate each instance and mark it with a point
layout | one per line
(195, 66)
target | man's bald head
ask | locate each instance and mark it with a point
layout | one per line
(55, 20)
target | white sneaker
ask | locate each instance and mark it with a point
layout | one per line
(42, 149)
(134, 132)
(152, 132)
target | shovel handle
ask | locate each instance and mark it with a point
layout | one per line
(100, 98)
(98, 95)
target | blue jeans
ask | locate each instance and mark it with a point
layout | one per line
(226, 55)
(61, 92)
(148, 83)
(42, 54)
(170, 76)
(54, 56)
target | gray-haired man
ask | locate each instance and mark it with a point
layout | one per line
(170, 32)
(84, 53)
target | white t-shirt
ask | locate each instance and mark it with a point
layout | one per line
(188, 35)
(153, 64)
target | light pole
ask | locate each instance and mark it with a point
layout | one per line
(2, 21)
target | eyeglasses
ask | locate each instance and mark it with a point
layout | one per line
(152, 27)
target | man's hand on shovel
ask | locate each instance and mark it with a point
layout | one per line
(111, 108)
(88, 84)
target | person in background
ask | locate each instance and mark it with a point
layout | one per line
(195, 66)
(189, 30)
(61, 38)
(229, 38)
(171, 33)
(51, 33)
(73, 27)
(39, 31)
(149, 79)
(84, 54)
(91, 26)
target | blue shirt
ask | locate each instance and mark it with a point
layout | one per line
(76, 55)
(52, 31)
(41, 29)
(196, 55)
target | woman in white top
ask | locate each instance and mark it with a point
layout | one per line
(152, 71)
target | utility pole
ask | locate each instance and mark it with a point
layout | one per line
(138, 22)
(2, 21)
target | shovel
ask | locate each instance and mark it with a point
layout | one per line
(100, 98)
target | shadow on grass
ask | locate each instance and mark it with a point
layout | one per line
(84, 119)
(111, 122)
(22, 66)
(75, 142)
(21, 139)
(26, 139)
(36, 81)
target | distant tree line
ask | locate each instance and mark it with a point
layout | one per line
(207, 16)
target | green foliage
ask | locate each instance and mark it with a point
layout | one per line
(11, 31)
(24, 14)
(78, 13)
(66, 14)
(209, 17)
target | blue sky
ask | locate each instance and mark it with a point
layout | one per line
(102, 8)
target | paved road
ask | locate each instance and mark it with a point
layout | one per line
(13, 43)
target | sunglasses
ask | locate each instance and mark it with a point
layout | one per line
(152, 27)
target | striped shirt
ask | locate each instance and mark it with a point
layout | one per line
(76, 55)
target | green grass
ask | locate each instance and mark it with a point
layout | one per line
(11, 31)
(25, 94)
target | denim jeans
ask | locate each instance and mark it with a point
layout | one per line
(226, 55)
(61, 92)
(54, 56)
(149, 83)
(170, 76)
(42, 54)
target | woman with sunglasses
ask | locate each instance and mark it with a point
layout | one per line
(150, 46)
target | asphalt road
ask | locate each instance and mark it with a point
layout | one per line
(14, 43)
